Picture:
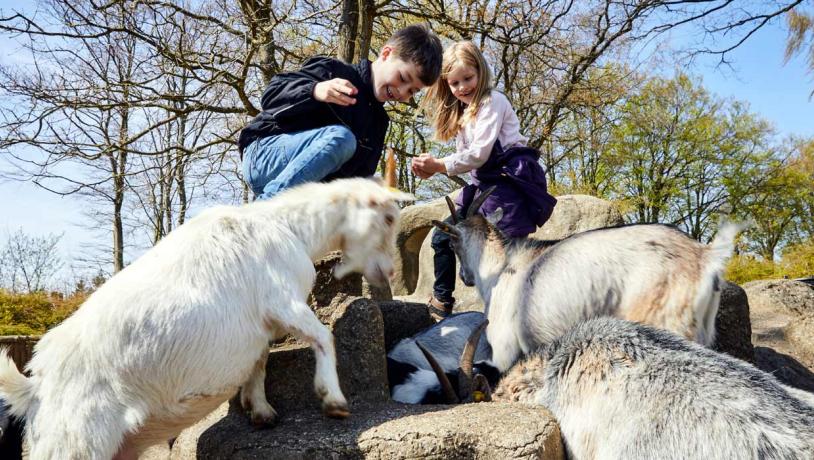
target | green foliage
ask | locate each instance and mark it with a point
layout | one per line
(34, 313)
(798, 260)
(744, 268)
(801, 37)
(17, 329)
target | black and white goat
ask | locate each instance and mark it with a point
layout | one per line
(536, 290)
(413, 376)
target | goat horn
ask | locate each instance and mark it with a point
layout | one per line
(478, 202)
(390, 169)
(451, 206)
(468, 360)
(446, 386)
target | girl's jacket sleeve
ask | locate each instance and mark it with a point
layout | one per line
(485, 131)
(291, 94)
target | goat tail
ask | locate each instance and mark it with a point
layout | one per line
(723, 245)
(708, 295)
(15, 388)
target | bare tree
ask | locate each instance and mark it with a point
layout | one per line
(29, 263)
(82, 113)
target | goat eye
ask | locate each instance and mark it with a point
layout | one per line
(389, 220)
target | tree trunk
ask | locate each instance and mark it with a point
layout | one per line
(367, 13)
(348, 27)
(118, 169)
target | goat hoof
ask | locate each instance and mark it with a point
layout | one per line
(263, 420)
(336, 410)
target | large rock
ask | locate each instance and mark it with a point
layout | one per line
(573, 214)
(388, 431)
(358, 330)
(326, 287)
(402, 320)
(732, 326)
(784, 296)
(782, 316)
(415, 223)
(578, 213)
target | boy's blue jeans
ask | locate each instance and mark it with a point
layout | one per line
(274, 163)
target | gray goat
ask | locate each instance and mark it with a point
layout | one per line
(536, 290)
(624, 390)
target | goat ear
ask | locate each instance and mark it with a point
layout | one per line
(398, 195)
(495, 217)
(446, 228)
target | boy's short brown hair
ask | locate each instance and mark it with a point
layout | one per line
(419, 45)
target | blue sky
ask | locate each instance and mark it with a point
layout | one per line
(776, 92)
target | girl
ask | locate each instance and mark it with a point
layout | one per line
(462, 104)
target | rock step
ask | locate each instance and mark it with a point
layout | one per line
(380, 431)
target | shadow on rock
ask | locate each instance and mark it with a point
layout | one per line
(787, 369)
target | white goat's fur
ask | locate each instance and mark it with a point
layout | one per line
(535, 291)
(622, 390)
(176, 333)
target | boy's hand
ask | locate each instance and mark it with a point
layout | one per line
(337, 91)
(424, 166)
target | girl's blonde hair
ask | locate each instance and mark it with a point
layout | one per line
(446, 113)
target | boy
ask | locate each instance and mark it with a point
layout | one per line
(327, 120)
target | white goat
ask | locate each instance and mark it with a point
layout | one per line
(536, 290)
(624, 390)
(177, 333)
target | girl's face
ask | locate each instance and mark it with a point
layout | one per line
(462, 81)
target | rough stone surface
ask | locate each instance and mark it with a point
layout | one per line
(578, 213)
(326, 287)
(386, 431)
(358, 330)
(787, 296)
(782, 317)
(415, 223)
(573, 214)
(402, 320)
(732, 326)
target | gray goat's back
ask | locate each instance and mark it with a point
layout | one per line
(625, 390)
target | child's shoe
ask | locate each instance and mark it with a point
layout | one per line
(439, 310)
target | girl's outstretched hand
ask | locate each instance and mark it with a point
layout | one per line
(425, 166)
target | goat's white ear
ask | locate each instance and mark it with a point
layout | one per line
(398, 195)
(495, 217)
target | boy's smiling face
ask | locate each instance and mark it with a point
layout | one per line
(393, 78)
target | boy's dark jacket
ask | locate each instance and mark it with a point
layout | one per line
(289, 106)
(521, 190)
